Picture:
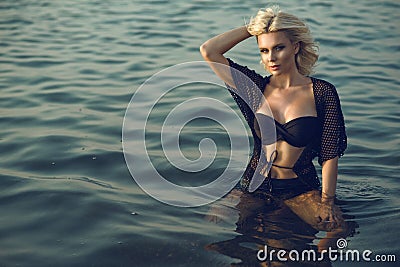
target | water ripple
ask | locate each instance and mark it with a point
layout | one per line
(67, 72)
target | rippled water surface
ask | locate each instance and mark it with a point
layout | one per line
(68, 70)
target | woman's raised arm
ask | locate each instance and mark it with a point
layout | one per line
(213, 51)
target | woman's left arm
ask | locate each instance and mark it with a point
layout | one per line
(329, 178)
(330, 216)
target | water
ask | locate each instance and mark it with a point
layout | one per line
(68, 70)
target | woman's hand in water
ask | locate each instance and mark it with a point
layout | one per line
(328, 215)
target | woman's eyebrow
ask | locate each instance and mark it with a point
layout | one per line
(280, 44)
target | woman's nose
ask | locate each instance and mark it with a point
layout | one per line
(271, 57)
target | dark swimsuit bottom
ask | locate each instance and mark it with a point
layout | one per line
(299, 133)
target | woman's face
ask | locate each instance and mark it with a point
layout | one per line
(277, 52)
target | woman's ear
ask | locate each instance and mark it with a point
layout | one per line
(296, 48)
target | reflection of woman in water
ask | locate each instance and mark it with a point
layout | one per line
(304, 111)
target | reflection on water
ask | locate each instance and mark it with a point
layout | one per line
(67, 72)
(271, 223)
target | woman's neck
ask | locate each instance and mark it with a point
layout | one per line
(287, 80)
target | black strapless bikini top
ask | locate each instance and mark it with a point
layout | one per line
(298, 132)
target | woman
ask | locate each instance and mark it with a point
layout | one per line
(305, 111)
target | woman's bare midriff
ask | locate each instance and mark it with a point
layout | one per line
(286, 158)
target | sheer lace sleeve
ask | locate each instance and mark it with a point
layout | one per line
(248, 89)
(333, 139)
(242, 83)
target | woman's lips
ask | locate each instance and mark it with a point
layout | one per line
(274, 67)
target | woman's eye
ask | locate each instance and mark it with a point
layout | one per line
(279, 48)
(263, 50)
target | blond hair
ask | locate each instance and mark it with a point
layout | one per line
(271, 19)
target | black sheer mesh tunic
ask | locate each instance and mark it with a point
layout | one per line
(332, 140)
